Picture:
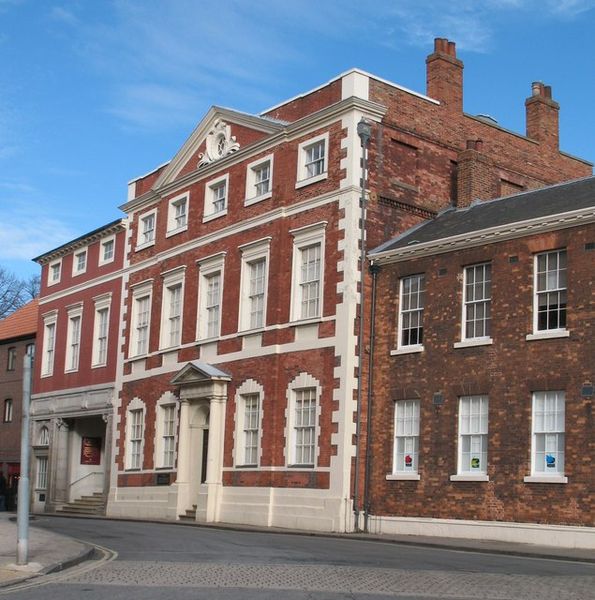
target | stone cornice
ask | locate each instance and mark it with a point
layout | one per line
(487, 236)
(286, 133)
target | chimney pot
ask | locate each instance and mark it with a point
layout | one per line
(452, 49)
(537, 88)
(548, 91)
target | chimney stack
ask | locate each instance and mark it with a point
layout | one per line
(542, 115)
(476, 175)
(444, 75)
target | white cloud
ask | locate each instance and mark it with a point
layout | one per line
(23, 239)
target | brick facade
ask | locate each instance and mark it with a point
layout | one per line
(424, 155)
(507, 369)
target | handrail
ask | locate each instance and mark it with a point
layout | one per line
(85, 476)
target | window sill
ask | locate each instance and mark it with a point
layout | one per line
(254, 331)
(469, 477)
(403, 477)
(99, 365)
(473, 342)
(310, 321)
(79, 273)
(145, 245)
(208, 340)
(176, 231)
(548, 335)
(545, 479)
(304, 182)
(246, 467)
(102, 263)
(407, 350)
(300, 466)
(213, 216)
(256, 199)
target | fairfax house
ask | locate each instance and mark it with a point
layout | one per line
(483, 371)
(239, 397)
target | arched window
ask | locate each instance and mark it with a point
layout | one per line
(44, 436)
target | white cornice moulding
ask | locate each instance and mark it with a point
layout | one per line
(289, 132)
(487, 236)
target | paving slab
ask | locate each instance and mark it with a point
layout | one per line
(48, 551)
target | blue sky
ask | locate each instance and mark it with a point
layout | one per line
(96, 92)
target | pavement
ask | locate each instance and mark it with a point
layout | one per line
(50, 552)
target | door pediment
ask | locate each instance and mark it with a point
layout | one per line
(200, 380)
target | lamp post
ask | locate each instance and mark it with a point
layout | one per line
(364, 131)
(23, 502)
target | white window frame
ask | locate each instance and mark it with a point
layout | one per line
(417, 347)
(469, 304)
(102, 303)
(209, 203)
(208, 267)
(11, 358)
(173, 279)
(41, 472)
(554, 331)
(136, 404)
(140, 241)
(43, 438)
(303, 238)
(8, 410)
(172, 219)
(167, 401)
(50, 326)
(51, 266)
(73, 339)
(301, 382)
(75, 261)
(548, 424)
(250, 387)
(140, 291)
(252, 197)
(473, 428)
(102, 244)
(251, 253)
(406, 440)
(302, 170)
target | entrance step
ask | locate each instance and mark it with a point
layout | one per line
(189, 515)
(85, 505)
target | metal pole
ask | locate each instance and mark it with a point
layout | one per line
(23, 504)
(364, 131)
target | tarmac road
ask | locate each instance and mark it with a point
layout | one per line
(163, 561)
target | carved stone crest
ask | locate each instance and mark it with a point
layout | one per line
(219, 143)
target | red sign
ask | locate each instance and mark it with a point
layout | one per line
(91, 451)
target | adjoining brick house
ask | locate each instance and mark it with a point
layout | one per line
(17, 338)
(484, 365)
(238, 394)
(75, 370)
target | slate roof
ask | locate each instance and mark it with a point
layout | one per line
(534, 204)
(21, 323)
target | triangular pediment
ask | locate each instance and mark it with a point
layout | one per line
(199, 372)
(220, 133)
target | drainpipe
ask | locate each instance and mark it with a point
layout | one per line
(364, 131)
(374, 269)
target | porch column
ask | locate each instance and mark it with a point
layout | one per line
(59, 466)
(108, 456)
(183, 468)
(214, 480)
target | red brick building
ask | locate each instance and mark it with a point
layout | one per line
(239, 390)
(76, 368)
(484, 366)
(17, 338)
